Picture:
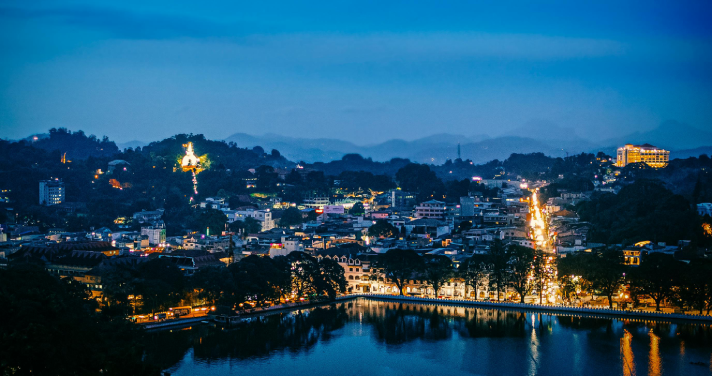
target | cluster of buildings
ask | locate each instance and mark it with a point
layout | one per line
(457, 230)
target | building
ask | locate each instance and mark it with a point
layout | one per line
(467, 206)
(401, 199)
(51, 192)
(646, 153)
(430, 209)
(146, 216)
(316, 202)
(156, 234)
(217, 203)
(264, 217)
(704, 209)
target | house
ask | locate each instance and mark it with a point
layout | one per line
(145, 216)
(156, 234)
(264, 217)
(432, 209)
(431, 227)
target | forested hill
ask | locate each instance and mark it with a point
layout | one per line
(76, 145)
(220, 155)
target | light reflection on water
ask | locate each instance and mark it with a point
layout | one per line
(364, 337)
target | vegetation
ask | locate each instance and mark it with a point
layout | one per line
(644, 210)
(50, 326)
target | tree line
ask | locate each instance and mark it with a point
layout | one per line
(158, 284)
(503, 267)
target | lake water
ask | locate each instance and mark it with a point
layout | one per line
(370, 338)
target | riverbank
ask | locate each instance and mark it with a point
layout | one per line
(632, 314)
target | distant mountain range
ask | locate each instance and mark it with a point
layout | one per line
(544, 137)
(536, 136)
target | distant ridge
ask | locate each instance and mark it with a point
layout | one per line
(434, 149)
(688, 153)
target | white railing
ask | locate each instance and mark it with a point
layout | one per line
(541, 307)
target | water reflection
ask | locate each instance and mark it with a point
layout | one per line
(654, 362)
(476, 340)
(627, 357)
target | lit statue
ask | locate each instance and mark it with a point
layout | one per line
(190, 161)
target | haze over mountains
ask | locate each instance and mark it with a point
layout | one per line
(536, 136)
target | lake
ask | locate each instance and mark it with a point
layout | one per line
(370, 337)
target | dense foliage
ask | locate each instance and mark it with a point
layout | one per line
(644, 210)
(50, 327)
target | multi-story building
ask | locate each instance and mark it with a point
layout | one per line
(401, 199)
(51, 192)
(432, 209)
(316, 202)
(156, 234)
(467, 206)
(262, 216)
(646, 153)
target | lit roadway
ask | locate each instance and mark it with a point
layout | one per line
(539, 230)
(539, 233)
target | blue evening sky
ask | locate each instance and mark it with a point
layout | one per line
(364, 71)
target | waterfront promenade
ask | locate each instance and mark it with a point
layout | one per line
(550, 309)
(633, 314)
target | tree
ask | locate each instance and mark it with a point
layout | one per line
(382, 229)
(571, 270)
(211, 284)
(414, 176)
(291, 217)
(497, 258)
(160, 284)
(211, 220)
(46, 322)
(606, 274)
(541, 271)
(275, 153)
(260, 279)
(463, 226)
(400, 265)
(473, 272)
(521, 259)
(118, 284)
(248, 226)
(695, 281)
(644, 210)
(306, 274)
(332, 275)
(357, 209)
(437, 271)
(656, 276)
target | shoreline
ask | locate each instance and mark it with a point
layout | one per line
(565, 310)
(613, 313)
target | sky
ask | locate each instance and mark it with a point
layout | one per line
(363, 71)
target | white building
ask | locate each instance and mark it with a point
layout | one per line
(288, 245)
(262, 216)
(432, 209)
(217, 203)
(156, 235)
(316, 202)
(51, 192)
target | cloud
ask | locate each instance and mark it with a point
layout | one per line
(123, 24)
